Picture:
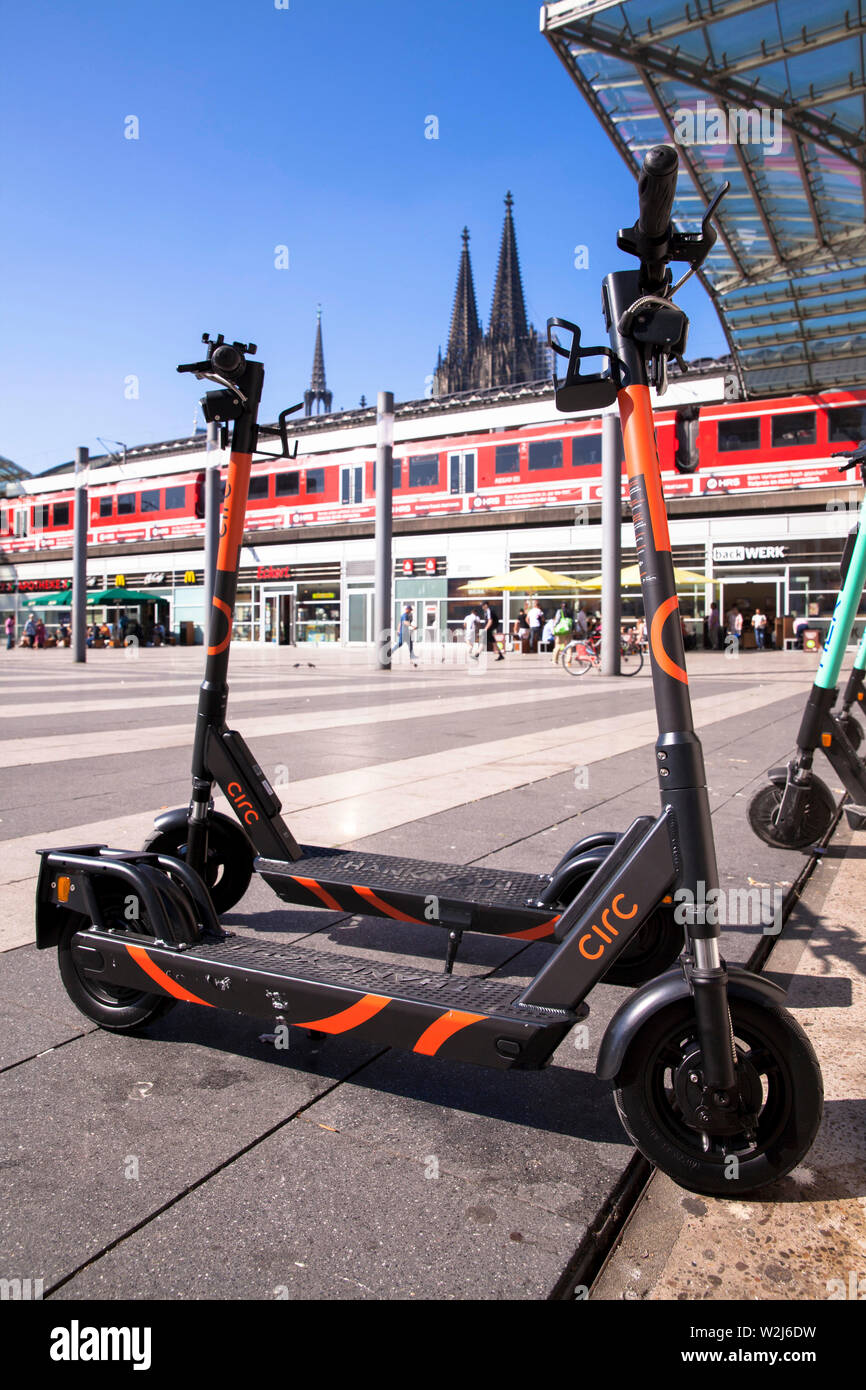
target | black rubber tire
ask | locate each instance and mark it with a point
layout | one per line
(229, 866)
(577, 665)
(630, 662)
(655, 948)
(816, 821)
(774, 1053)
(114, 1007)
(852, 729)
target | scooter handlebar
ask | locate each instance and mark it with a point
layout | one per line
(656, 188)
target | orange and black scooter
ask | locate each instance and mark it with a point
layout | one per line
(713, 1079)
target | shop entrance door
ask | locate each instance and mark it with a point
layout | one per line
(750, 592)
(360, 615)
(278, 619)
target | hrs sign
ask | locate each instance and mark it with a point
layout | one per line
(732, 554)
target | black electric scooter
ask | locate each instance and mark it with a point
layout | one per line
(713, 1079)
(796, 808)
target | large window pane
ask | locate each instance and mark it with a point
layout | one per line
(288, 484)
(586, 448)
(259, 486)
(739, 434)
(545, 453)
(315, 480)
(793, 430)
(424, 470)
(175, 499)
(846, 424)
(507, 458)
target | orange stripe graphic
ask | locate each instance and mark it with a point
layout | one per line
(641, 456)
(353, 1017)
(215, 651)
(319, 891)
(232, 531)
(381, 906)
(433, 1037)
(659, 652)
(140, 956)
(534, 933)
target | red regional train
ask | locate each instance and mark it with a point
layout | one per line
(775, 444)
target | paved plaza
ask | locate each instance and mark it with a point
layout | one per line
(197, 1160)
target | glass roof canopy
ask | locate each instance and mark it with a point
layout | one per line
(771, 95)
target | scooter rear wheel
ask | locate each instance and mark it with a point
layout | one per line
(780, 1080)
(852, 729)
(229, 865)
(818, 813)
(655, 948)
(115, 1008)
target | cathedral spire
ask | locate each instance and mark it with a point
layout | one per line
(508, 314)
(465, 332)
(318, 393)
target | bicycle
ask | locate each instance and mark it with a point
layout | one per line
(583, 653)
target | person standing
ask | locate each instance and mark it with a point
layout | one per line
(10, 633)
(738, 627)
(471, 624)
(562, 629)
(535, 618)
(713, 626)
(40, 633)
(30, 631)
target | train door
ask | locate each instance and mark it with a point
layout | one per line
(461, 473)
(352, 485)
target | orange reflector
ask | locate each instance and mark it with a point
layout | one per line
(667, 899)
(859, 694)
(826, 739)
(63, 889)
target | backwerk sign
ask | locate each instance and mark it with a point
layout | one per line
(738, 554)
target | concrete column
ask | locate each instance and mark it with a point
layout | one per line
(79, 559)
(611, 544)
(382, 607)
(211, 523)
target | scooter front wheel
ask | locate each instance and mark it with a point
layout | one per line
(229, 865)
(653, 950)
(815, 820)
(659, 1086)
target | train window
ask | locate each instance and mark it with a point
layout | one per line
(288, 484)
(397, 480)
(424, 470)
(175, 499)
(586, 448)
(61, 513)
(126, 504)
(846, 424)
(259, 486)
(793, 429)
(545, 453)
(315, 480)
(150, 500)
(507, 458)
(106, 506)
(739, 434)
(40, 518)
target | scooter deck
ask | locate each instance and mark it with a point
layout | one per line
(500, 902)
(463, 1019)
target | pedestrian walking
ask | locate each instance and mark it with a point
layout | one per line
(759, 623)
(40, 633)
(405, 630)
(713, 626)
(491, 631)
(30, 631)
(10, 633)
(563, 624)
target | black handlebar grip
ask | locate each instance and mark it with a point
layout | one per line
(228, 361)
(656, 187)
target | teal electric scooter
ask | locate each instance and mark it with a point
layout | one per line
(796, 809)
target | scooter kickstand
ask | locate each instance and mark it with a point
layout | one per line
(454, 939)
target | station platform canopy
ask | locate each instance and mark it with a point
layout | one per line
(771, 95)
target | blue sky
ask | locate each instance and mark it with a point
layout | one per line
(262, 127)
